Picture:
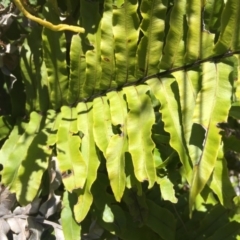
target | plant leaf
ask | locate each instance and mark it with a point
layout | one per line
(125, 23)
(213, 104)
(71, 162)
(141, 116)
(89, 153)
(193, 15)
(71, 228)
(54, 45)
(161, 221)
(174, 45)
(6, 123)
(107, 48)
(152, 26)
(229, 33)
(117, 147)
(34, 73)
(164, 90)
(167, 190)
(220, 182)
(93, 53)
(77, 70)
(102, 127)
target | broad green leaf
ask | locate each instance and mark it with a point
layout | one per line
(52, 138)
(131, 180)
(92, 27)
(54, 55)
(115, 157)
(212, 11)
(220, 182)
(117, 147)
(113, 219)
(71, 162)
(174, 40)
(238, 82)
(102, 126)
(137, 206)
(107, 48)
(212, 222)
(229, 231)
(152, 26)
(6, 125)
(108, 215)
(77, 70)
(213, 104)
(161, 221)
(125, 30)
(235, 110)
(141, 117)
(229, 38)
(166, 162)
(164, 90)
(100, 188)
(193, 45)
(36, 161)
(28, 72)
(207, 45)
(19, 173)
(167, 190)
(89, 154)
(11, 143)
(203, 200)
(134, 232)
(34, 73)
(188, 83)
(231, 143)
(19, 150)
(71, 228)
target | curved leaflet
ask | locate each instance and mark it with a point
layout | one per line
(107, 48)
(118, 144)
(125, 31)
(70, 160)
(174, 44)
(163, 89)
(90, 156)
(102, 126)
(54, 55)
(140, 144)
(152, 26)
(77, 70)
(212, 106)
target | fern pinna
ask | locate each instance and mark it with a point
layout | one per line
(131, 109)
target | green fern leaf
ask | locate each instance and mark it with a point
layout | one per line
(70, 160)
(213, 104)
(89, 153)
(54, 44)
(152, 26)
(77, 70)
(141, 117)
(164, 90)
(125, 30)
(117, 147)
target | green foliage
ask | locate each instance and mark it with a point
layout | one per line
(132, 109)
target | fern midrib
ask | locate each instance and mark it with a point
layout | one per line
(142, 80)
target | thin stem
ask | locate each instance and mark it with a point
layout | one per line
(59, 27)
